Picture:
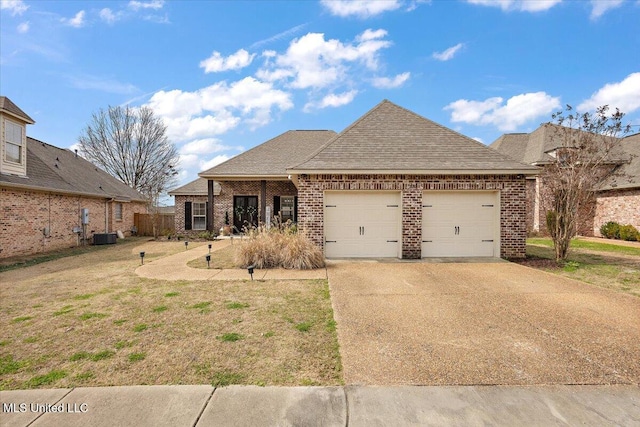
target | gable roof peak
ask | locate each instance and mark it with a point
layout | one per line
(8, 107)
(392, 138)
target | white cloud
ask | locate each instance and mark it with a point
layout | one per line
(108, 16)
(448, 53)
(288, 33)
(332, 100)
(624, 95)
(203, 146)
(214, 161)
(77, 21)
(16, 7)
(313, 62)
(517, 111)
(390, 83)
(102, 84)
(600, 7)
(153, 4)
(157, 19)
(216, 62)
(218, 108)
(518, 5)
(195, 163)
(23, 27)
(477, 138)
(360, 8)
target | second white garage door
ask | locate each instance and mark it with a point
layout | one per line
(460, 224)
(362, 224)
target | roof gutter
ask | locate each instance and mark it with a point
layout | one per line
(245, 177)
(415, 172)
(65, 192)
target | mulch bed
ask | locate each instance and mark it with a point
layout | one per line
(535, 262)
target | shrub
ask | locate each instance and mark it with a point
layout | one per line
(208, 235)
(610, 230)
(279, 246)
(629, 233)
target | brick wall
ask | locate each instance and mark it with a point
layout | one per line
(531, 197)
(24, 214)
(621, 206)
(512, 204)
(224, 201)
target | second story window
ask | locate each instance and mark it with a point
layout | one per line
(13, 142)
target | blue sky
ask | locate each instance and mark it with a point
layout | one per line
(226, 76)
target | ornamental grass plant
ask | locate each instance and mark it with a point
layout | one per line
(280, 246)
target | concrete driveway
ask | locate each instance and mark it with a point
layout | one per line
(480, 323)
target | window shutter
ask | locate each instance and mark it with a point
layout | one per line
(187, 215)
(276, 205)
(206, 215)
(295, 208)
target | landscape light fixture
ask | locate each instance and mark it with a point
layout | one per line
(186, 244)
(142, 258)
(208, 258)
(250, 270)
(209, 247)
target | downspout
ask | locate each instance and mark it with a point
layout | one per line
(106, 214)
(210, 211)
(536, 207)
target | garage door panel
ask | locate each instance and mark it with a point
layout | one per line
(459, 224)
(362, 224)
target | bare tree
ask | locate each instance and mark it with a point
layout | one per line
(586, 150)
(131, 144)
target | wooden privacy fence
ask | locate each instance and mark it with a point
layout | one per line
(144, 223)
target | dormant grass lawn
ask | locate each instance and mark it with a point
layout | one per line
(88, 320)
(603, 264)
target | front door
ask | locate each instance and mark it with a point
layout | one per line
(245, 212)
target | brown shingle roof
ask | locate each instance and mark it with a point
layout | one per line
(390, 138)
(197, 187)
(627, 175)
(272, 158)
(532, 148)
(9, 107)
(55, 169)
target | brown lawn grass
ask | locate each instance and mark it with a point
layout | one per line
(88, 320)
(611, 270)
(222, 258)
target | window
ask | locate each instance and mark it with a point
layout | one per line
(13, 142)
(118, 211)
(199, 216)
(287, 205)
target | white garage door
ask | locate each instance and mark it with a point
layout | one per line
(362, 224)
(460, 224)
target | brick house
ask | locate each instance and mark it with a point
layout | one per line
(617, 199)
(392, 184)
(43, 190)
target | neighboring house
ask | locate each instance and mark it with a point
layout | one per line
(617, 199)
(43, 190)
(167, 210)
(191, 206)
(392, 184)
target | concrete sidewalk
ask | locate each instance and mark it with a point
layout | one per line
(203, 405)
(174, 267)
